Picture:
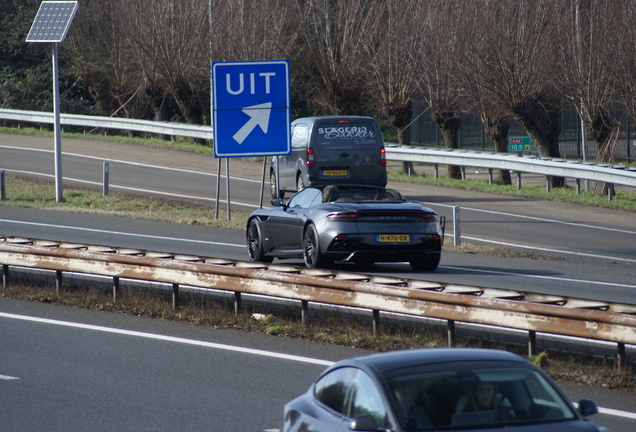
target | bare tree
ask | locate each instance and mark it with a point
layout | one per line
(332, 40)
(391, 67)
(624, 54)
(587, 79)
(175, 36)
(98, 53)
(519, 64)
(480, 76)
(437, 51)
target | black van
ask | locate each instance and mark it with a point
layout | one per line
(331, 150)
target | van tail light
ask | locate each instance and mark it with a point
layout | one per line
(310, 157)
(382, 156)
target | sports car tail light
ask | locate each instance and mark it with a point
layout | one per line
(344, 216)
(396, 216)
(383, 156)
(310, 157)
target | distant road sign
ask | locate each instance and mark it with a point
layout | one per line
(251, 108)
(519, 144)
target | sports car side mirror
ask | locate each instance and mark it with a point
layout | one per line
(277, 202)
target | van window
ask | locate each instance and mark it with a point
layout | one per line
(300, 135)
(343, 137)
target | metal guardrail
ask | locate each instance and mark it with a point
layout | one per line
(615, 322)
(607, 173)
(154, 127)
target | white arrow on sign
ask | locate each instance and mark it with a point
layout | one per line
(259, 116)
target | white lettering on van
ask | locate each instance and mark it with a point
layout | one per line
(346, 132)
(253, 83)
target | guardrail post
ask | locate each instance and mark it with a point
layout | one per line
(304, 305)
(3, 195)
(376, 321)
(532, 343)
(518, 180)
(621, 358)
(237, 302)
(451, 333)
(175, 296)
(436, 171)
(58, 281)
(578, 186)
(490, 180)
(457, 236)
(5, 276)
(463, 171)
(115, 288)
(610, 191)
(106, 178)
(548, 186)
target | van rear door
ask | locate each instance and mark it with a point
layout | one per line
(348, 151)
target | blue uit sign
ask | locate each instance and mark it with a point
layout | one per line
(251, 108)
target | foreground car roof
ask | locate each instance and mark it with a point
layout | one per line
(399, 359)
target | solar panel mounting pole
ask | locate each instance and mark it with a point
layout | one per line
(59, 197)
(51, 25)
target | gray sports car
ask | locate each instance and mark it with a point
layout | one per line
(351, 223)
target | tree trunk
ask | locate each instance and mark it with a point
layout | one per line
(449, 123)
(496, 128)
(400, 117)
(540, 117)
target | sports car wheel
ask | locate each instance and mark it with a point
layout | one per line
(300, 184)
(425, 263)
(272, 185)
(311, 249)
(254, 243)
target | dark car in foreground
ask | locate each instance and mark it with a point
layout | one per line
(348, 223)
(437, 389)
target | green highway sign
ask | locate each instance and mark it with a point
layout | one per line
(519, 144)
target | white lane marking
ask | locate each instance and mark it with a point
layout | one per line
(135, 189)
(154, 336)
(8, 378)
(121, 233)
(504, 273)
(214, 345)
(132, 163)
(514, 245)
(576, 224)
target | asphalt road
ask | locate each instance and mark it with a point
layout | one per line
(64, 369)
(596, 248)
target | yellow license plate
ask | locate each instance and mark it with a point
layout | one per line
(393, 238)
(334, 173)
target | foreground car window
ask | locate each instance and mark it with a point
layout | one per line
(476, 398)
(332, 388)
(366, 400)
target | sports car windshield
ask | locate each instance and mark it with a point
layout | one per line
(362, 194)
(477, 398)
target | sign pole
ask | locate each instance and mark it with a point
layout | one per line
(227, 185)
(218, 187)
(56, 128)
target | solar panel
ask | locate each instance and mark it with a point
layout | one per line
(52, 21)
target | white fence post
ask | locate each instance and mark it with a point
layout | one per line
(456, 229)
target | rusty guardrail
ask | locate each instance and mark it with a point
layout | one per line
(614, 322)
